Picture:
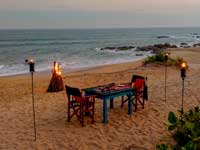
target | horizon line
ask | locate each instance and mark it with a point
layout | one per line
(96, 28)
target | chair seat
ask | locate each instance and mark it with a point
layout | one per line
(80, 105)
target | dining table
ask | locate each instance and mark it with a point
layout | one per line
(109, 92)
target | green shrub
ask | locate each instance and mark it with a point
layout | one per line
(150, 59)
(155, 58)
(160, 59)
(163, 147)
(185, 130)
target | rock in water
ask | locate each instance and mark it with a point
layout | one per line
(163, 37)
(184, 44)
(121, 48)
(196, 45)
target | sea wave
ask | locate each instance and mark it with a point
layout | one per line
(35, 40)
(115, 51)
(1, 66)
(17, 69)
(67, 65)
(43, 43)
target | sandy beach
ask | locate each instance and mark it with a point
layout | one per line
(141, 130)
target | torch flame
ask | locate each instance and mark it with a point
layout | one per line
(31, 61)
(167, 53)
(59, 73)
(183, 65)
(57, 69)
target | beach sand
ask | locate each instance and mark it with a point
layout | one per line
(143, 129)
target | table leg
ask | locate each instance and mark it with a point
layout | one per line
(111, 103)
(105, 111)
(130, 109)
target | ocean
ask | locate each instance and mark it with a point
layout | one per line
(79, 48)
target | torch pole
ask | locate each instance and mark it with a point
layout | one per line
(183, 75)
(182, 97)
(34, 124)
(166, 58)
(165, 81)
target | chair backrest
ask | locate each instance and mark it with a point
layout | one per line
(71, 91)
(139, 84)
(134, 77)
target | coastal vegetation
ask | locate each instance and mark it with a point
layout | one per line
(185, 130)
(159, 58)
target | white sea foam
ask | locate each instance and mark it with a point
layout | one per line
(1, 66)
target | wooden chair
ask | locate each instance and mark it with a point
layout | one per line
(139, 93)
(79, 105)
(142, 92)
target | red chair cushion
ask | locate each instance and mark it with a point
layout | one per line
(79, 99)
(139, 83)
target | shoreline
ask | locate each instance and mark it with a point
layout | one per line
(135, 63)
(86, 69)
(77, 69)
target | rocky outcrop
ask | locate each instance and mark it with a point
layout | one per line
(195, 33)
(183, 44)
(121, 48)
(196, 45)
(163, 37)
(139, 54)
(156, 48)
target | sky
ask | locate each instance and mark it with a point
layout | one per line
(99, 13)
